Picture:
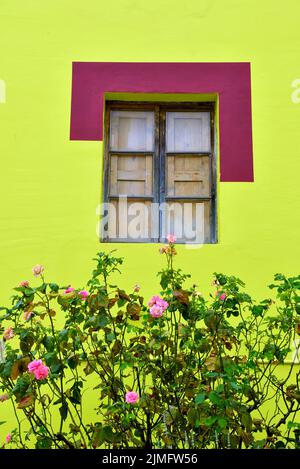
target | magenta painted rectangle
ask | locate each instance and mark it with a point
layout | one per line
(231, 81)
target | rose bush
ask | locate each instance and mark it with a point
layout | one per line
(172, 371)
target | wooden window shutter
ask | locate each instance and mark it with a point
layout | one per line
(160, 153)
(130, 171)
(188, 175)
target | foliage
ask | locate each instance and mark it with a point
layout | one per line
(204, 374)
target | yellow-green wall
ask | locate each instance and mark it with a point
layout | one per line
(50, 187)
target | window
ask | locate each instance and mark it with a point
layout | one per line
(159, 172)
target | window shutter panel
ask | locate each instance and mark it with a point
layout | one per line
(188, 176)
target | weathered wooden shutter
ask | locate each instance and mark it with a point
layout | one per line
(131, 173)
(160, 173)
(188, 175)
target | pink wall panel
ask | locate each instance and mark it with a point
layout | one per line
(230, 80)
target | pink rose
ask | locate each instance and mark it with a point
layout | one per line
(157, 306)
(39, 370)
(156, 311)
(69, 290)
(162, 303)
(8, 438)
(4, 397)
(131, 397)
(153, 300)
(83, 294)
(171, 238)
(8, 333)
(24, 283)
(34, 365)
(27, 315)
(222, 296)
(37, 270)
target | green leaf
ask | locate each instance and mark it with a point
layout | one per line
(293, 425)
(192, 416)
(56, 368)
(76, 395)
(221, 279)
(209, 421)
(164, 281)
(29, 291)
(110, 337)
(257, 310)
(42, 288)
(43, 443)
(97, 439)
(246, 420)
(49, 343)
(220, 388)
(63, 335)
(200, 398)
(21, 387)
(215, 398)
(108, 434)
(102, 320)
(26, 341)
(222, 422)
(50, 358)
(73, 362)
(64, 410)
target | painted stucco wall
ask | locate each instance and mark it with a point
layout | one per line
(50, 186)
